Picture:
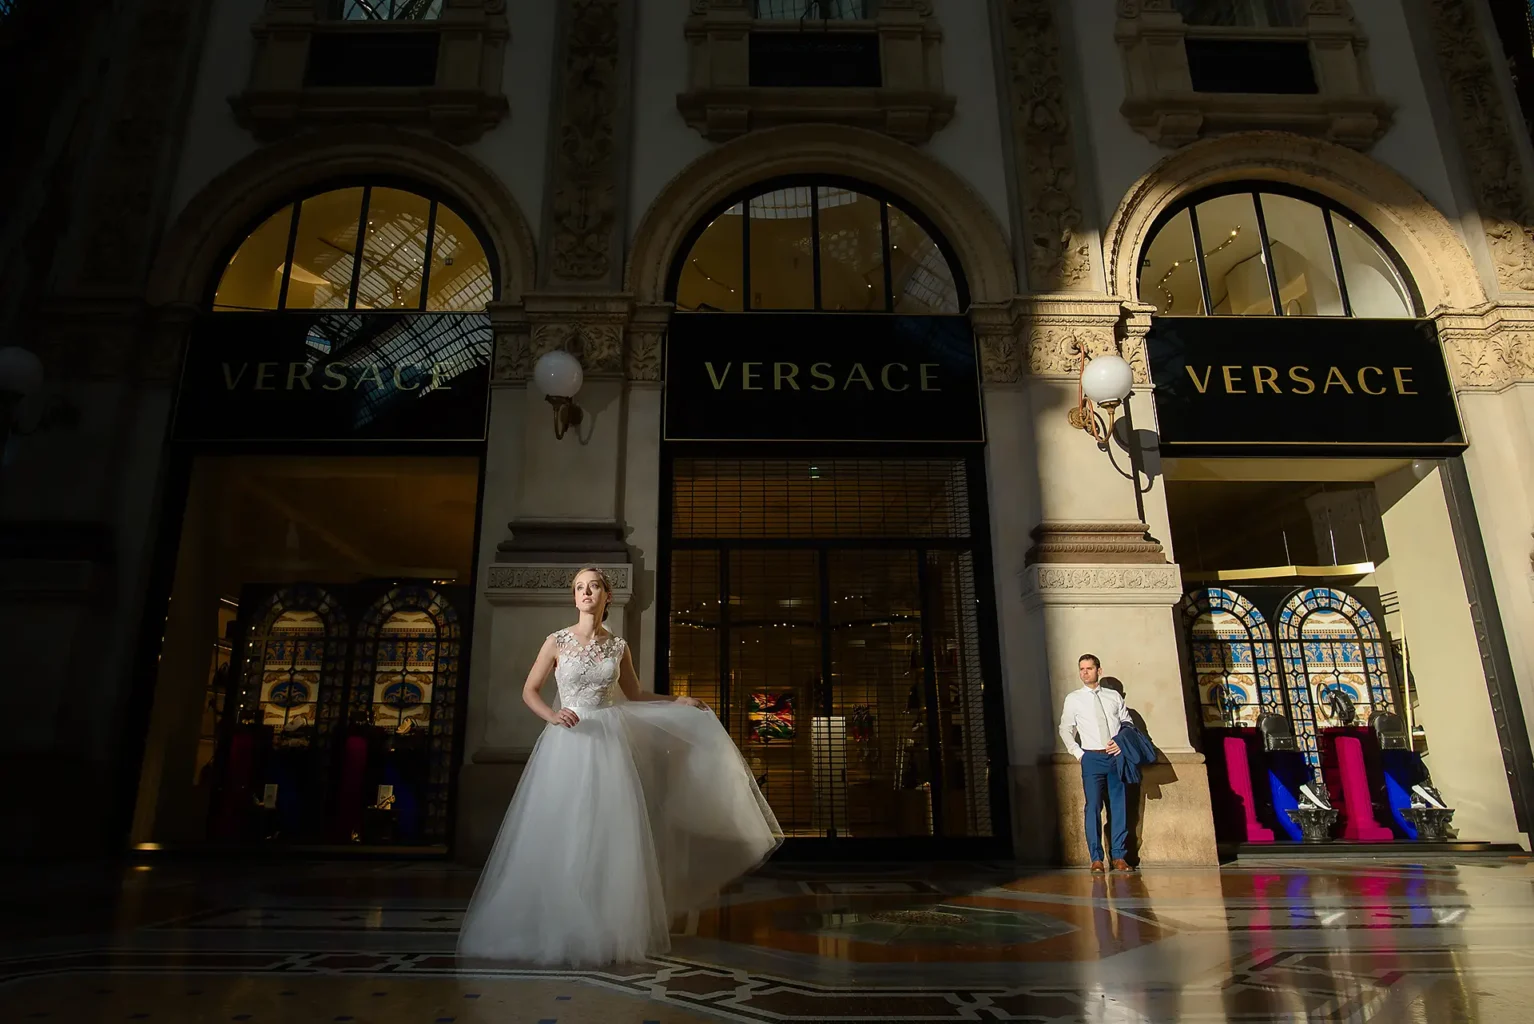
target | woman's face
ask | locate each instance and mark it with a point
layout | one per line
(590, 594)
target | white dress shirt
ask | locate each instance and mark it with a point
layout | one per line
(1078, 719)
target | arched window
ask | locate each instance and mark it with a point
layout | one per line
(1234, 665)
(816, 244)
(388, 10)
(1334, 663)
(365, 247)
(1262, 249)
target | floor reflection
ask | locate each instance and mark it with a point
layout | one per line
(1303, 940)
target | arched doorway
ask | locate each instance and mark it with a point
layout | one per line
(1304, 414)
(327, 450)
(826, 571)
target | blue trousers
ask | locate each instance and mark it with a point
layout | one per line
(1098, 773)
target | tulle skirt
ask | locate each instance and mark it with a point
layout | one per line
(640, 812)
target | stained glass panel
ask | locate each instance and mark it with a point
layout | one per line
(1334, 662)
(1234, 668)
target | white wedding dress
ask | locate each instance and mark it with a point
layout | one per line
(642, 811)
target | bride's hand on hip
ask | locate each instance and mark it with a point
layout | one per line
(692, 702)
(565, 717)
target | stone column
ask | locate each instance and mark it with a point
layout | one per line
(553, 505)
(1097, 580)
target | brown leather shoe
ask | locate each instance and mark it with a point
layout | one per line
(1097, 866)
(1120, 864)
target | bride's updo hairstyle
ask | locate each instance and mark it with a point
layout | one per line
(607, 587)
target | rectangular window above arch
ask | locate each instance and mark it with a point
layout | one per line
(1195, 68)
(320, 62)
(865, 63)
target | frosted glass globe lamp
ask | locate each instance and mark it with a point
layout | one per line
(1107, 380)
(558, 377)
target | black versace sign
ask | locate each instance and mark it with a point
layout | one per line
(336, 376)
(1288, 385)
(821, 377)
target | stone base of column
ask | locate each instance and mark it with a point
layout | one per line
(1171, 820)
(485, 788)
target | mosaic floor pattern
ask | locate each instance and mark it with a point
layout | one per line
(372, 943)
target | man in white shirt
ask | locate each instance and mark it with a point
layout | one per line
(1088, 723)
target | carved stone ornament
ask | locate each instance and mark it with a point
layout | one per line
(1490, 149)
(1145, 585)
(1489, 349)
(589, 326)
(1058, 249)
(1162, 104)
(1101, 542)
(584, 196)
(552, 577)
(909, 103)
(647, 330)
(464, 100)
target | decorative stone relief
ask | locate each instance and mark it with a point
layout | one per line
(909, 103)
(550, 577)
(161, 43)
(1491, 151)
(1100, 578)
(583, 202)
(646, 332)
(1057, 248)
(589, 326)
(995, 326)
(1162, 104)
(1490, 348)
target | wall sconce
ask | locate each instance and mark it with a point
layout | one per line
(558, 376)
(21, 377)
(1107, 382)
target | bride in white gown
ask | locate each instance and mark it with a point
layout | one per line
(630, 811)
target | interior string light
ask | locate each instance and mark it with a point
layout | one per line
(1161, 284)
(709, 279)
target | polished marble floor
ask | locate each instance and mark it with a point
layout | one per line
(372, 943)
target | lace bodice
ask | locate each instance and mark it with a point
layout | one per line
(587, 674)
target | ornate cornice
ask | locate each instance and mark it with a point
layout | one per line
(1490, 348)
(1094, 542)
(1491, 151)
(1057, 247)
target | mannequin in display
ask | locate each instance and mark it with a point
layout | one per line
(634, 807)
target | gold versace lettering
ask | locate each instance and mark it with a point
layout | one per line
(779, 377)
(231, 382)
(263, 371)
(1363, 382)
(371, 372)
(1335, 375)
(819, 374)
(747, 375)
(858, 373)
(926, 377)
(295, 375)
(399, 383)
(884, 377)
(437, 377)
(1202, 385)
(1230, 383)
(334, 374)
(1300, 378)
(1402, 379)
(1266, 376)
(718, 379)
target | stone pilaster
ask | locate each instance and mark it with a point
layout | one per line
(1121, 611)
